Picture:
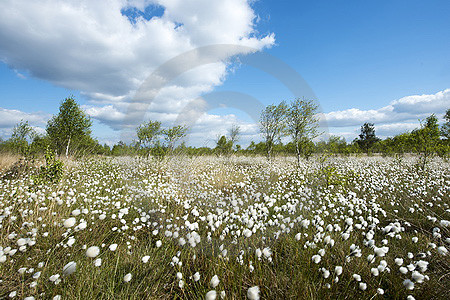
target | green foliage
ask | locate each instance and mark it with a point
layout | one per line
(52, 171)
(22, 132)
(148, 132)
(329, 175)
(367, 138)
(159, 151)
(39, 145)
(122, 149)
(174, 134)
(223, 146)
(426, 140)
(302, 125)
(445, 129)
(272, 125)
(70, 126)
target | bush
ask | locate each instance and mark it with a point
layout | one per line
(52, 171)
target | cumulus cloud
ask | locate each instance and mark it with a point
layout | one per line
(410, 108)
(96, 48)
(399, 116)
(423, 104)
(10, 117)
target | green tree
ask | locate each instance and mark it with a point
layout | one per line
(401, 143)
(445, 129)
(223, 146)
(71, 126)
(148, 132)
(22, 132)
(234, 133)
(174, 134)
(367, 138)
(426, 139)
(272, 124)
(336, 144)
(302, 125)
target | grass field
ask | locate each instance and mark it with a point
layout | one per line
(237, 227)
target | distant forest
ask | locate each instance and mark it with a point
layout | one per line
(69, 133)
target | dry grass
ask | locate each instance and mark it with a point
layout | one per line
(7, 160)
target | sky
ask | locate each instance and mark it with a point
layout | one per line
(213, 64)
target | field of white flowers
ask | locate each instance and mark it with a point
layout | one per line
(228, 228)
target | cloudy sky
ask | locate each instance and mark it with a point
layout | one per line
(211, 64)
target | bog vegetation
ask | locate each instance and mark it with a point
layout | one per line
(161, 221)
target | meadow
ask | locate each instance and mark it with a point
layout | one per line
(228, 228)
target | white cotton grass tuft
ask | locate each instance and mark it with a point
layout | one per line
(417, 277)
(70, 222)
(92, 251)
(316, 258)
(71, 241)
(442, 250)
(253, 293)
(69, 268)
(408, 284)
(113, 247)
(98, 262)
(338, 270)
(127, 277)
(196, 276)
(145, 259)
(214, 281)
(211, 295)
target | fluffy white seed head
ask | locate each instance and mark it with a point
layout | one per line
(253, 293)
(92, 251)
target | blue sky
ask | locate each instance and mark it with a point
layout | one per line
(376, 61)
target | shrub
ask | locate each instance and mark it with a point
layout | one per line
(51, 172)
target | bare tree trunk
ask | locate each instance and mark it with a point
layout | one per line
(269, 150)
(297, 149)
(67, 148)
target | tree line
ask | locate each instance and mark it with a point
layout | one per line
(69, 133)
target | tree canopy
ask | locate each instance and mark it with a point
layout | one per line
(70, 125)
(302, 125)
(272, 124)
(367, 138)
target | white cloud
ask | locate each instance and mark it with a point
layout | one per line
(10, 117)
(423, 104)
(410, 108)
(399, 116)
(92, 47)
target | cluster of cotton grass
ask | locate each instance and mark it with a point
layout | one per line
(219, 228)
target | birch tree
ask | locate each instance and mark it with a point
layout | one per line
(272, 125)
(302, 125)
(69, 126)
